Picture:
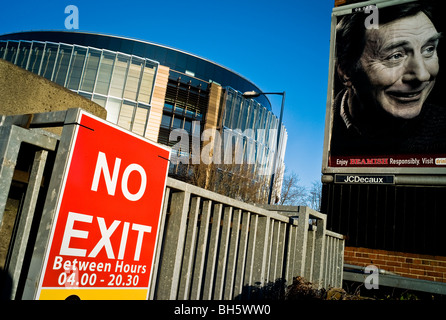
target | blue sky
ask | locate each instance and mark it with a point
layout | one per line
(280, 45)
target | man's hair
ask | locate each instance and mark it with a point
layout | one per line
(350, 31)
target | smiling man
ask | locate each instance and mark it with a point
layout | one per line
(388, 74)
(401, 63)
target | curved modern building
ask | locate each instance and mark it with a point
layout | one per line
(152, 89)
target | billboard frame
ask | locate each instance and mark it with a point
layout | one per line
(328, 170)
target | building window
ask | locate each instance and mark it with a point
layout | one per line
(183, 105)
(166, 121)
(126, 115)
(49, 59)
(100, 100)
(140, 120)
(3, 45)
(119, 75)
(147, 82)
(177, 123)
(36, 57)
(90, 70)
(23, 54)
(11, 51)
(77, 64)
(133, 79)
(113, 108)
(105, 73)
(62, 64)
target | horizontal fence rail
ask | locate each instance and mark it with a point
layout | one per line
(209, 246)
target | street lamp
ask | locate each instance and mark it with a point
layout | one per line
(255, 94)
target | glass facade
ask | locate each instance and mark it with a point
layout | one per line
(184, 108)
(119, 74)
(121, 83)
(255, 129)
(177, 60)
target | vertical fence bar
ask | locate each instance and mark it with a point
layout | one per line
(275, 230)
(281, 251)
(209, 279)
(232, 255)
(9, 150)
(197, 280)
(50, 206)
(173, 246)
(340, 258)
(327, 263)
(26, 218)
(299, 259)
(333, 261)
(309, 258)
(273, 248)
(290, 252)
(162, 227)
(302, 237)
(189, 250)
(335, 264)
(261, 252)
(242, 255)
(330, 263)
(223, 254)
(319, 252)
(248, 281)
(339, 263)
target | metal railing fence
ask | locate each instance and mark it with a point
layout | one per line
(215, 247)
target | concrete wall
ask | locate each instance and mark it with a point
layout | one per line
(23, 92)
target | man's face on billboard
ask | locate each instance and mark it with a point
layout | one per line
(400, 63)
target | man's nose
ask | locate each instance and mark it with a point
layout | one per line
(416, 69)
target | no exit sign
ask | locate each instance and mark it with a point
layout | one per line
(104, 234)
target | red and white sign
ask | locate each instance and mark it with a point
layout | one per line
(104, 235)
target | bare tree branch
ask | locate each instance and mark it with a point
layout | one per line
(315, 195)
(293, 193)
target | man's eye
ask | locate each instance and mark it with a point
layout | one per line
(395, 57)
(429, 51)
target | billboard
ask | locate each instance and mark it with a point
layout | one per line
(385, 107)
(103, 238)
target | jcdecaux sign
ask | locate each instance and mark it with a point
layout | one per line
(105, 229)
(364, 179)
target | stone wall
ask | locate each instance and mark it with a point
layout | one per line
(23, 92)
